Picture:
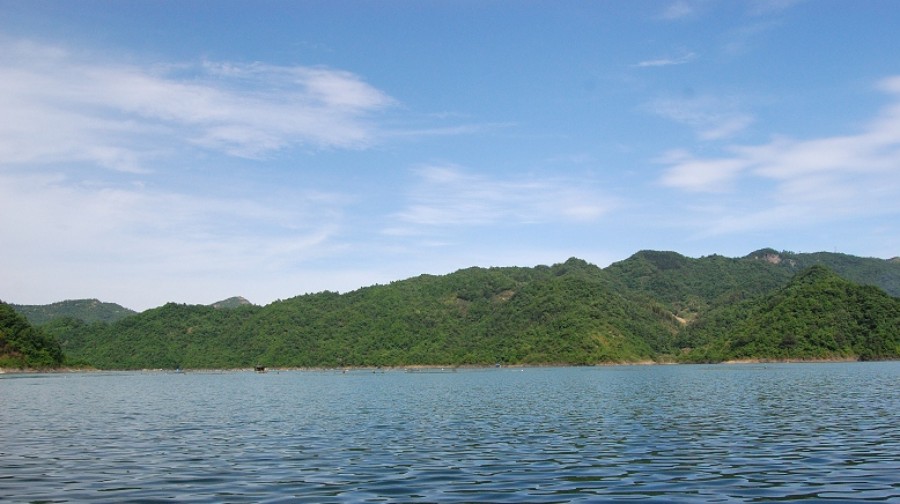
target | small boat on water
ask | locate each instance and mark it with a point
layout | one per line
(260, 369)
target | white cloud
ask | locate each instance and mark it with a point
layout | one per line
(450, 196)
(120, 231)
(712, 118)
(80, 240)
(678, 10)
(801, 181)
(62, 106)
(667, 61)
(700, 175)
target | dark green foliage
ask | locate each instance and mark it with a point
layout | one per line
(22, 345)
(170, 336)
(689, 287)
(652, 306)
(862, 270)
(88, 310)
(818, 315)
(569, 313)
(692, 286)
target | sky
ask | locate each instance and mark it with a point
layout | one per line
(187, 151)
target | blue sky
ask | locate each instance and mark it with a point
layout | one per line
(188, 151)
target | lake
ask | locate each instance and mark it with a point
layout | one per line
(685, 433)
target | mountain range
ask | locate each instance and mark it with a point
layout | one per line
(653, 306)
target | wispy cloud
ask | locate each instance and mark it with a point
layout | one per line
(811, 180)
(700, 175)
(711, 117)
(667, 61)
(166, 242)
(66, 113)
(678, 9)
(683, 9)
(60, 105)
(746, 38)
(448, 196)
(765, 7)
(454, 130)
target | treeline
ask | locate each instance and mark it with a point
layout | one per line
(653, 306)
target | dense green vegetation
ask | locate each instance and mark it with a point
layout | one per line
(861, 270)
(568, 313)
(818, 315)
(23, 346)
(88, 310)
(170, 336)
(652, 306)
(690, 287)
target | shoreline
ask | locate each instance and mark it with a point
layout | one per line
(821, 360)
(412, 368)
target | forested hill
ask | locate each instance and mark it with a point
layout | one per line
(652, 306)
(23, 346)
(881, 273)
(568, 313)
(87, 310)
(817, 315)
(691, 286)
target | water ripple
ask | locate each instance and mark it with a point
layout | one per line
(665, 434)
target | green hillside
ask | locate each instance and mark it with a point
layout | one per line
(884, 274)
(818, 315)
(652, 306)
(569, 313)
(170, 336)
(689, 287)
(23, 346)
(87, 310)
(692, 286)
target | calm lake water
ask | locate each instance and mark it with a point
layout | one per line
(721, 433)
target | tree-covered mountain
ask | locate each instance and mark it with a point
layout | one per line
(24, 346)
(817, 315)
(169, 336)
(652, 306)
(691, 286)
(87, 310)
(884, 274)
(568, 313)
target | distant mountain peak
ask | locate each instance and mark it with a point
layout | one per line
(768, 255)
(772, 256)
(816, 273)
(232, 302)
(663, 259)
